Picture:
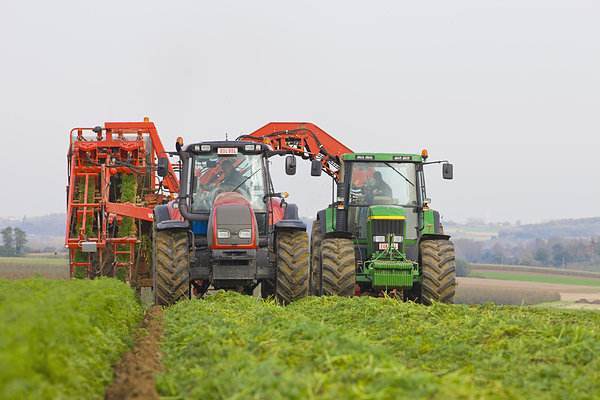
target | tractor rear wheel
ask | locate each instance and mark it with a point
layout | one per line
(339, 267)
(171, 267)
(439, 271)
(292, 266)
(316, 237)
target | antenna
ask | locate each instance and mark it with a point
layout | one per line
(226, 137)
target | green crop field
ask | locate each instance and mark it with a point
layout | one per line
(60, 339)
(535, 277)
(231, 346)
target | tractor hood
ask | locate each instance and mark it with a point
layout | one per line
(232, 223)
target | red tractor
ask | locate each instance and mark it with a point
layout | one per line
(229, 229)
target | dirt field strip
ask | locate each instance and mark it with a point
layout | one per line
(573, 296)
(134, 375)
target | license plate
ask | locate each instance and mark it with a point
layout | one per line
(227, 150)
(384, 246)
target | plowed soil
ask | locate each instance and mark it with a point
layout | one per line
(572, 296)
(134, 375)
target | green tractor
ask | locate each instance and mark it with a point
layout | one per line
(380, 235)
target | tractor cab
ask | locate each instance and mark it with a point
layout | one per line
(218, 169)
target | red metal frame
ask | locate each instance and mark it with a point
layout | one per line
(96, 154)
(304, 139)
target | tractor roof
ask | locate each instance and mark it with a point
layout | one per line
(390, 157)
(201, 147)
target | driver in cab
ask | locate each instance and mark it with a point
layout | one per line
(232, 178)
(378, 187)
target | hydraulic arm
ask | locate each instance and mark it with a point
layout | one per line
(303, 139)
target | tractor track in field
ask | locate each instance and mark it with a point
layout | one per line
(135, 373)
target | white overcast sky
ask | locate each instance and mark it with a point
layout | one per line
(507, 90)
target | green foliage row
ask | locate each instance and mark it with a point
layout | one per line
(231, 346)
(60, 339)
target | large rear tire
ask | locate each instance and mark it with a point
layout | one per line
(316, 239)
(292, 266)
(439, 271)
(339, 267)
(171, 267)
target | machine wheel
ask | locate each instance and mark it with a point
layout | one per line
(171, 267)
(439, 271)
(339, 267)
(292, 266)
(107, 265)
(267, 289)
(316, 237)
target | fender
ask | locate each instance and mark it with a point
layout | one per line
(167, 216)
(291, 220)
(433, 236)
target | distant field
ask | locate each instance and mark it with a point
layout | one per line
(27, 267)
(535, 277)
(541, 270)
(33, 260)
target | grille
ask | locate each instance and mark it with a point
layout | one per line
(382, 227)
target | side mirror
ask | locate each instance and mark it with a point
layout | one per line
(162, 169)
(315, 168)
(290, 165)
(447, 171)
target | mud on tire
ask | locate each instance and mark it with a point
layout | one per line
(339, 267)
(292, 266)
(439, 271)
(171, 266)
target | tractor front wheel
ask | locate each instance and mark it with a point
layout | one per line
(171, 266)
(292, 266)
(338, 267)
(439, 271)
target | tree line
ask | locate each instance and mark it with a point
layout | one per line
(14, 241)
(555, 252)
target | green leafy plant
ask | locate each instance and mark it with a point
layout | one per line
(233, 346)
(60, 339)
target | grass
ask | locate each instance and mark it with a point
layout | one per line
(231, 346)
(534, 277)
(59, 339)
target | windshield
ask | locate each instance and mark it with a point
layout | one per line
(383, 183)
(218, 174)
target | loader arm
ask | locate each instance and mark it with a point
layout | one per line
(303, 139)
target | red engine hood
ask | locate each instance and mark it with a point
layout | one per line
(224, 203)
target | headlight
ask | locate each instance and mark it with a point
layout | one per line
(379, 239)
(223, 233)
(245, 234)
(398, 239)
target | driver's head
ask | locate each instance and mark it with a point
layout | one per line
(377, 176)
(227, 165)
